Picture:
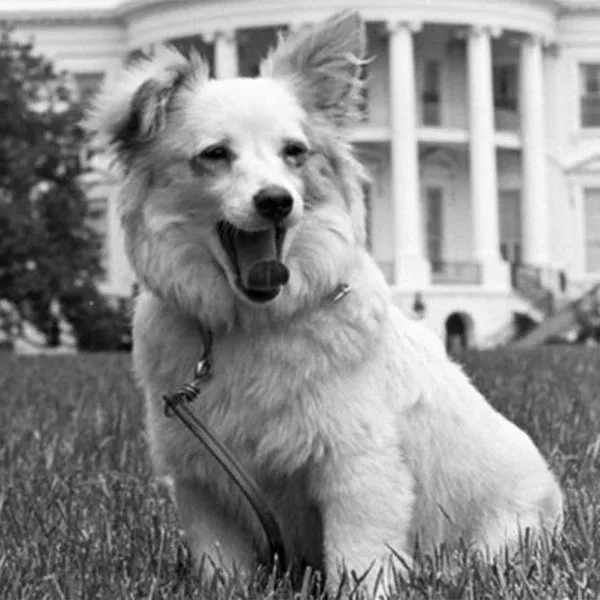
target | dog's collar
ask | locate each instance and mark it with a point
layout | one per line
(339, 293)
(176, 404)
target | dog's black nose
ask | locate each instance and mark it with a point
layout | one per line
(273, 202)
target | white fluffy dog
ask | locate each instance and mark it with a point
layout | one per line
(243, 212)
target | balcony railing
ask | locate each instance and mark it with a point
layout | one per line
(538, 277)
(453, 273)
(537, 285)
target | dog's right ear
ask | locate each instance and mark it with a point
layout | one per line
(129, 113)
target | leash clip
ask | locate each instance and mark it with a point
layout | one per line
(203, 369)
(189, 391)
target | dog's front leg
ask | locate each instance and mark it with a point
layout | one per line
(366, 504)
(216, 539)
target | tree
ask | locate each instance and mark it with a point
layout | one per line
(48, 250)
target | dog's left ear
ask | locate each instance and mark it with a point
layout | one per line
(324, 62)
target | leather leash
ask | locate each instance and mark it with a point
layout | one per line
(176, 404)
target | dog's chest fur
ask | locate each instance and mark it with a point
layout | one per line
(274, 397)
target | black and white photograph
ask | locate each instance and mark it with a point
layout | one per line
(300, 300)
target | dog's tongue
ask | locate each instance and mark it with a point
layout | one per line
(257, 260)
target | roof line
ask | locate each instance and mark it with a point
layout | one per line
(60, 16)
(77, 15)
(126, 8)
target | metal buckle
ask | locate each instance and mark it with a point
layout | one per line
(340, 292)
(203, 369)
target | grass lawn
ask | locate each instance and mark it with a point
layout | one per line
(80, 515)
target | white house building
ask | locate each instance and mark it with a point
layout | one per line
(481, 131)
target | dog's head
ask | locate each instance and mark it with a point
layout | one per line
(241, 194)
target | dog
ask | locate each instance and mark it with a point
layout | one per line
(242, 209)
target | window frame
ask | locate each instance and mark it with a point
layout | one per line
(506, 67)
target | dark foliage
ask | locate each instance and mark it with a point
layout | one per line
(99, 326)
(47, 247)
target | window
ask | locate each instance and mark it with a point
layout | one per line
(430, 96)
(87, 85)
(590, 94)
(252, 46)
(363, 106)
(505, 82)
(510, 225)
(592, 229)
(97, 218)
(185, 45)
(435, 226)
(97, 214)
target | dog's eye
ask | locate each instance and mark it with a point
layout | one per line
(295, 153)
(214, 153)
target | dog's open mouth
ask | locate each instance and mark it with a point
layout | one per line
(256, 260)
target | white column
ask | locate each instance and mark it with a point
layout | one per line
(482, 159)
(534, 200)
(225, 53)
(411, 265)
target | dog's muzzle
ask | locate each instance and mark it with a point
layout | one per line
(255, 258)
